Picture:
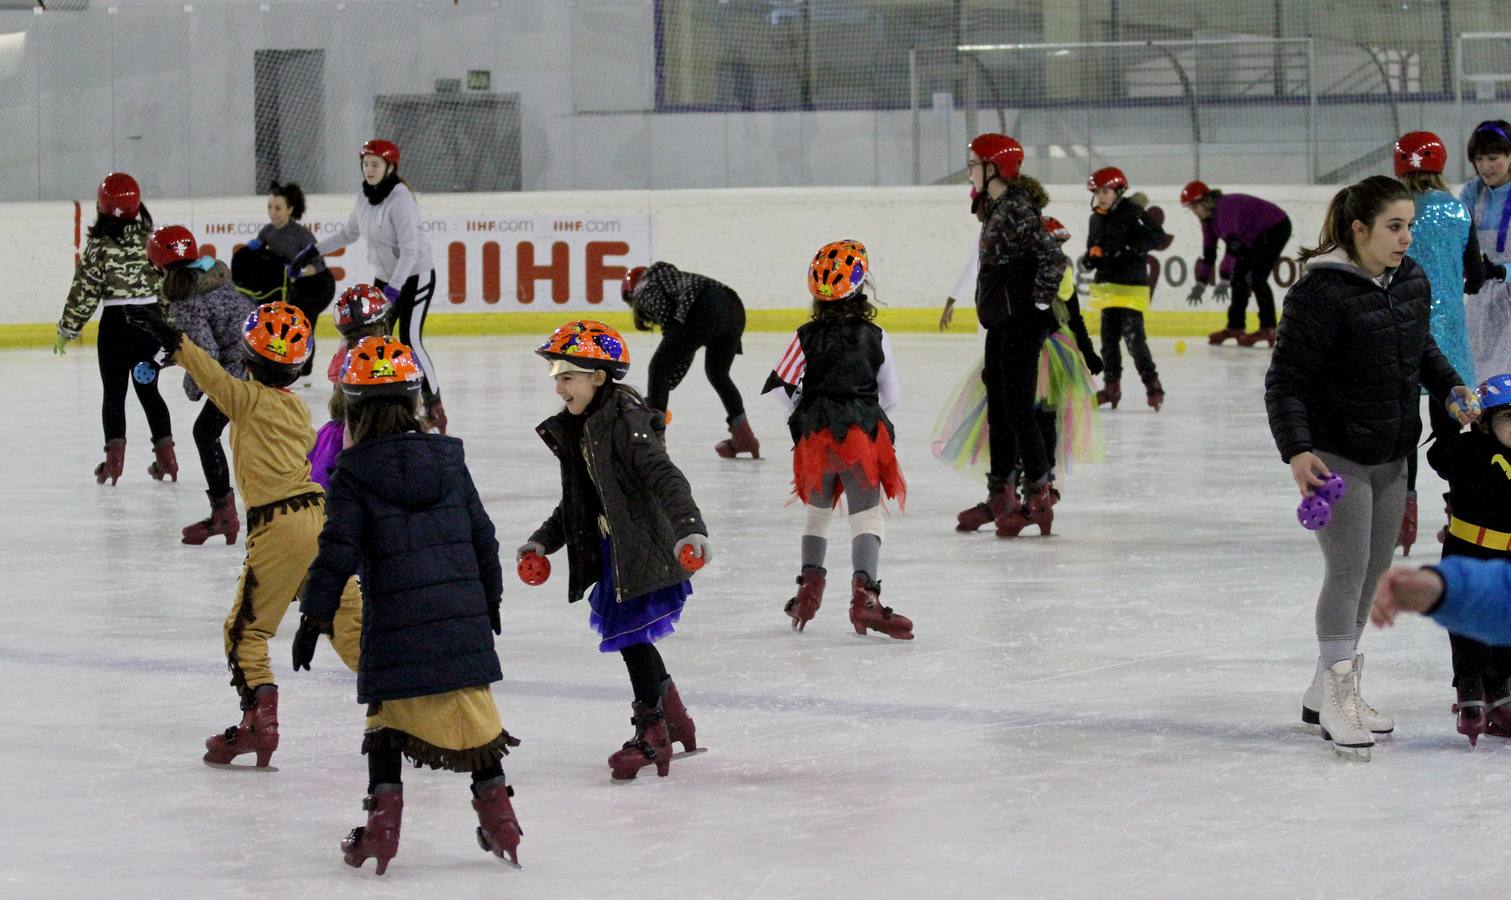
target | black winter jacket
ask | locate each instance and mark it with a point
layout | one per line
(1117, 243)
(402, 512)
(1349, 363)
(1020, 261)
(614, 467)
(1478, 471)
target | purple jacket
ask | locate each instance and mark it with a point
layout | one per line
(1238, 221)
(323, 454)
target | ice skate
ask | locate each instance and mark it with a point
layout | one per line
(1498, 709)
(1254, 337)
(1110, 394)
(1376, 721)
(1036, 508)
(866, 611)
(741, 440)
(1408, 535)
(1339, 716)
(222, 521)
(998, 503)
(114, 464)
(379, 838)
(649, 747)
(810, 594)
(1470, 709)
(1154, 394)
(1311, 702)
(1216, 338)
(257, 733)
(164, 463)
(679, 725)
(498, 830)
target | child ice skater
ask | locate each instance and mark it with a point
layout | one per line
(1118, 242)
(837, 379)
(363, 311)
(404, 512)
(627, 518)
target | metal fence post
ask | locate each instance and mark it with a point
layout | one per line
(1458, 100)
(913, 104)
(1312, 154)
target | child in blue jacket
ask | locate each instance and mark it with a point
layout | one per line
(1465, 596)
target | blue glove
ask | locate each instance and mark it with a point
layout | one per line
(254, 244)
(391, 292)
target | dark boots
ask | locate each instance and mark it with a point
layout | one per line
(257, 733)
(223, 520)
(866, 611)
(114, 464)
(498, 830)
(164, 463)
(649, 747)
(1497, 708)
(1110, 394)
(380, 836)
(1408, 535)
(741, 440)
(1470, 708)
(1254, 337)
(1037, 508)
(679, 725)
(1155, 393)
(999, 500)
(810, 593)
(1217, 337)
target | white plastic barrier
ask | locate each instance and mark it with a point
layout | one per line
(541, 251)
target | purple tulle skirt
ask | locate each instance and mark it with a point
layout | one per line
(637, 620)
(323, 457)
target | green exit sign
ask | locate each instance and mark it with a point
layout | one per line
(479, 79)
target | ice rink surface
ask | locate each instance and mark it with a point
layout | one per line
(1110, 712)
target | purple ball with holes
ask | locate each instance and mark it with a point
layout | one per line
(1333, 489)
(1314, 512)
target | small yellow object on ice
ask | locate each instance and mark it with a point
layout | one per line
(1180, 346)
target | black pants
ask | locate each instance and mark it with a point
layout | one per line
(385, 765)
(1119, 325)
(1472, 659)
(1011, 375)
(1251, 273)
(1049, 431)
(647, 672)
(120, 347)
(715, 323)
(409, 326)
(1442, 423)
(313, 293)
(212, 457)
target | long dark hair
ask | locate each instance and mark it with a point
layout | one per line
(855, 308)
(1362, 202)
(381, 416)
(114, 227)
(179, 281)
(293, 195)
(1492, 136)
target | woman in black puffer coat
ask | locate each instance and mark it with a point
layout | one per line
(1342, 395)
(402, 511)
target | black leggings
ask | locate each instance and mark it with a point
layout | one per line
(715, 323)
(120, 347)
(385, 765)
(647, 672)
(409, 326)
(212, 457)
(1012, 375)
(1120, 325)
(1252, 273)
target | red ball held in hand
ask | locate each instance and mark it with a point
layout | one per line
(534, 569)
(690, 559)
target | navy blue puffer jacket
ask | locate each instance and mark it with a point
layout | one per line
(402, 512)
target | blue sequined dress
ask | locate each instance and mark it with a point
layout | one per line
(1438, 238)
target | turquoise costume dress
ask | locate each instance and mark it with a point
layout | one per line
(1488, 313)
(1438, 238)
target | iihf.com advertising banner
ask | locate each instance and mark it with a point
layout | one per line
(485, 263)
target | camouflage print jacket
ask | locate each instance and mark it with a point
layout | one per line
(1021, 262)
(108, 270)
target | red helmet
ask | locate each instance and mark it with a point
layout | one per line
(1420, 151)
(631, 281)
(1193, 191)
(1056, 229)
(1110, 177)
(1002, 151)
(171, 244)
(119, 196)
(387, 150)
(361, 305)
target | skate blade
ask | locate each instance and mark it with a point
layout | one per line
(1353, 754)
(686, 753)
(239, 767)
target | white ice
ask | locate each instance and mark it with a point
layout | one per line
(1113, 711)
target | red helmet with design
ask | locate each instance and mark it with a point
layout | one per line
(380, 366)
(1056, 229)
(171, 244)
(586, 344)
(1420, 151)
(631, 281)
(278, 334)
(838, 270)
(388, 151)
(119, 195)
(1000, 150)
(1193, 191)
(1110, 177)
(360, 305)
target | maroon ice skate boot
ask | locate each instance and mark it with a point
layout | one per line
(1408, 535)
(1497, 708)
(223, 521)
(1217, 337)
(741, 440)
(1254, 337)
(1037, 508)
(1110, 394)
(498, 830)
(649, 747)
(380, 836)
(1471, 709)
(866, 611)
(679, 725)
(810, 593)
(999, 500)
(164, 463)
(257, 733)
(1154, 393)
(114, 464)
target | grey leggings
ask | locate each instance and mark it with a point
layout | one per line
(1357, 546)
(860, 497)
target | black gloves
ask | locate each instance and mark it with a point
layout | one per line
(1493, 271)
(305, 640)
(493, 618)
(149, 318)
